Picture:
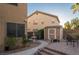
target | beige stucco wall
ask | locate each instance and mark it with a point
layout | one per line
(10, 13)
(39, 18)
(61, 33)
(46, 34)
(13, 13)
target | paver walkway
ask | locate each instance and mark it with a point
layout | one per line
(63, 47)
(33, 50)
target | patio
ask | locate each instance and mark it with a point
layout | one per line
(63, 47)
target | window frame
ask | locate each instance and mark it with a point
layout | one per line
(19, 29)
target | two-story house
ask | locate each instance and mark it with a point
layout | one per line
(50, 23)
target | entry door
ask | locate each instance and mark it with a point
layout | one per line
(51, 33)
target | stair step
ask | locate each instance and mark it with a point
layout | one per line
(53, 50)
(42, 53)
(46, 52)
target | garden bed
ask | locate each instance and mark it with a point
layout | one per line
(28, 46)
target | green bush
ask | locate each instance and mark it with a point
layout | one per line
(10, 42)
(40, 34)
(25, 40)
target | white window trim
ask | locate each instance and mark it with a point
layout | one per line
(52, 34)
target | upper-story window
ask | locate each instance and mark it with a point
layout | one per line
(35, 23)
(42, 22)
(53, 22)
(15, 4)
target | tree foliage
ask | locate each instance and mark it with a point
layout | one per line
(67, 25)
(75, 7)
(40, 34)
(73, 24)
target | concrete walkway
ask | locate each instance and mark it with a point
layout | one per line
(33, 50)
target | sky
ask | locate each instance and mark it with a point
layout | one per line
(62, 10)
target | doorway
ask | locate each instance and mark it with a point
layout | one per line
(51, 33)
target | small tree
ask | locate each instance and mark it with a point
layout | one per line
(73, 24)
(67, 25)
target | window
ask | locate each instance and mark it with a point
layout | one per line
(35, 23)
(11, 29)
(16, 30)
(15, 4)
(20, 30)
(53, 22)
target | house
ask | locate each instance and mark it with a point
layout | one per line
(50, 23)
(12, 16)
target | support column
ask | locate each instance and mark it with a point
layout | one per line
(61, 33)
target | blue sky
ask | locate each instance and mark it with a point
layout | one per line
(62, 10)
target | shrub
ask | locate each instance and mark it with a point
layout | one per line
(40, 34)
(25, 40)
(10, 43)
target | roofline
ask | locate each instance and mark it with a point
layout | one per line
(45, 14)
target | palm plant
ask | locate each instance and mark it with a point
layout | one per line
(75, 7)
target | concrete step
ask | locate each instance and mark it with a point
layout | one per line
(42, 53)
(46, 52)
(51, 52)
(55, 51)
